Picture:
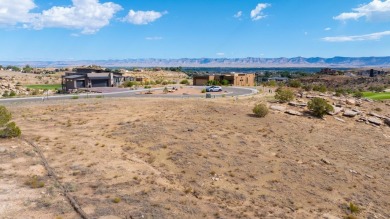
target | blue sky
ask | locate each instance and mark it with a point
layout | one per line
(120, 29)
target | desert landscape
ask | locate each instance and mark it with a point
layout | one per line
(194, 158)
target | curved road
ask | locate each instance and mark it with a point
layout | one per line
(229, 91)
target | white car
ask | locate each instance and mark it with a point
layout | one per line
(214, 89)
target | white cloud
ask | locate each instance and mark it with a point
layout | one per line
(220, 54)
(143, 17)
(257, 13)
(327, 29)
(154, 38)
(375, 10)
(89, 16)
(238, 14)
(372, 36)
(15, 11)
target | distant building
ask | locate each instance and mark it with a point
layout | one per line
(233, 79)
(90, 77)
(372, 73)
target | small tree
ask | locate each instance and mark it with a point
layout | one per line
(185, 81)
(7, 130)
(319, 107)
(284, 95)
(165, 91)
(321, 88)
(260, 110)
(225, 82)
(358, 94)
(294, 83)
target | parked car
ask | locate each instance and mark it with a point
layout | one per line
(214, 89)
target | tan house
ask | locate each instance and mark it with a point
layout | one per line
(233, 79)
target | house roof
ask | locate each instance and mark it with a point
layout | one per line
(98, 75)
(74, 76)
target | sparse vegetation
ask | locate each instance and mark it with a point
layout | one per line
(354, 208)
(116, 200)
(284, 95)
(260, 110)
(185, 81)
(320, 88)
(7, 129)
(294, 83)
(34, 182)
(319, 107)
(75, 97)
(203, 91)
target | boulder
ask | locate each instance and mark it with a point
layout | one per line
(387, 121)
(350, 113)
(3, 149)
(297, 104)
(339, 119)
(351, 101)
(375, 120)
(376, 115)
(278, 108)
(310, 96)
(336, 110)
(293, 112)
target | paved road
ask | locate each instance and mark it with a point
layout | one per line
(230, 91)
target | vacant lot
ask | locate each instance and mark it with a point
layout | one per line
(197, 158)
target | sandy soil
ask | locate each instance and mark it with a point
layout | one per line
(194, 158)
(27, 78)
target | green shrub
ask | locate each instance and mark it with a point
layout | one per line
(34, 182)
(377, 88)
(10, 131)
(354, 208)
(213, 82)
(116, 200)
(308, 87)
(225, 82)
(12, 94)
(320, 88)
(358, 94)
(185, 81)
(5, 94)
(284, 95)
(7, 130)
(35, 92)
(75, 97)
(165, 91)
(129, 83)
(319, 107)
(294, 83)
(5, 116)
(203, 91)
(260, 110)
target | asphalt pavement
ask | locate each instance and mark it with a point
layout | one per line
(228, 91)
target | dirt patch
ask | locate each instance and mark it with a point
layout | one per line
(192, 158)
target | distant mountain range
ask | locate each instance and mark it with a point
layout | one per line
(339, 62)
